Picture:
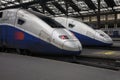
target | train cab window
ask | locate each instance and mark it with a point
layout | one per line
(48, 20)
(51, 22)
(20, 22)
(1, 13)
(71, 25)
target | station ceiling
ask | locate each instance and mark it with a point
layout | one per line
(75, 8)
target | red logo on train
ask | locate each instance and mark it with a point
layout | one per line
(19, 35)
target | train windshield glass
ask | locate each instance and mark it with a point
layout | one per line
(48, 20)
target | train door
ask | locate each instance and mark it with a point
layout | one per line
(11, 31)
(20, 42)
(3, 30)
(9, 28)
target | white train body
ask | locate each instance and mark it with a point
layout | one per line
(25, 29)
(84, 33)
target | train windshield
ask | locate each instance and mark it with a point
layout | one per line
(48, 20)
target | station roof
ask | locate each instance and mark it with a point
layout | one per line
(75, 8)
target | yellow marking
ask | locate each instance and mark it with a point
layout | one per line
(109, 53)
(106, 52)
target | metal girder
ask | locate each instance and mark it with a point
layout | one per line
(24, 4)
(5, 4)
(35, 9)
(74, 6)
(45, 7)
(110, 3)
(98, 15)
(18, 1)
(107, 13)
(20, 5)
(49, 10)
(90, 4)
(68, 3)
(59, 7)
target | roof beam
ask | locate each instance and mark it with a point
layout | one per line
(20, 5)
(107, 13)
(45, 7)
(74, 6)
(90, 4)
(49, 10)
(59, 7)
(25, 4)
(35, 9)
(110, 3)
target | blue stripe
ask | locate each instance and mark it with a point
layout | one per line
(87, 41)
(30, 42)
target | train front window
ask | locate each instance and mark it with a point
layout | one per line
(49, 21)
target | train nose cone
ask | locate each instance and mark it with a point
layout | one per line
(109, 41)
(72, 46)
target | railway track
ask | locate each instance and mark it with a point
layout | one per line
(106, 63)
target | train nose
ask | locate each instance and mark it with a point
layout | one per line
(72, 46)
(109, 41)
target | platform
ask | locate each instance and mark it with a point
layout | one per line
(104, 52)
(19, 67)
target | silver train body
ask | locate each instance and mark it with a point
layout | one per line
(84, 33)
(29, 30)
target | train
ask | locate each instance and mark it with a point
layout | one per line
(28, 30)
(86, 35)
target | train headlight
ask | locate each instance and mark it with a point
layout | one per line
(63, 37)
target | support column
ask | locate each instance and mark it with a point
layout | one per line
(98, 14)
(66, 5)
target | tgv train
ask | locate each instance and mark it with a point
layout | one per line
(84, 33)
(29, 30)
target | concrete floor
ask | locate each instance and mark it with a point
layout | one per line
(19, 67)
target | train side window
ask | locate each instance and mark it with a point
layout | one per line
(71, 25)
(20, 22)
(1, 13)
